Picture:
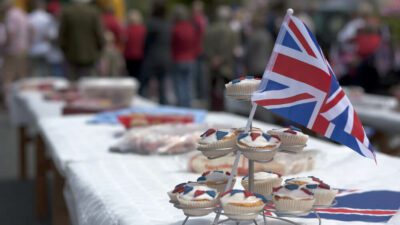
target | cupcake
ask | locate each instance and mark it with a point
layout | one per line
(323, 193)
(292, 198)
(243, 87)
(217, 142)
(242, 205)
(216, 179)
(292, 138)
(257, 145)
(198, 200)
(264, 182)
(173, 195)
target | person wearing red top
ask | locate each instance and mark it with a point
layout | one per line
(183, 55)
(134, 45)
(112, 24)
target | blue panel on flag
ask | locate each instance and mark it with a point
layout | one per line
(334, 85)
(369, 206)
(272, 85)
(313, 39)
(341, 120)
(298, 113)
(289, 42)
(341, 136)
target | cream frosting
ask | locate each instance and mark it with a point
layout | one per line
(240, 196)
(214, 176)
(308, 180)
(257, 139)
(214, 135)
(288, 131)
(263, 176)
(198, 192)
(297, 194)
(251, 81)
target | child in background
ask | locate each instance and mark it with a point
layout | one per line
(111, 62)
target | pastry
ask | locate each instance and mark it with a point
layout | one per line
(243, 205)
(242, 88)
(323, 193)
(217, 142)
(257, 145)
(216, 179)
(292, 138)
(198, 200)
(293, 198)
(264, 182)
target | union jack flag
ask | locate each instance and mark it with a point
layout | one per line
(299, 84)
(354, 205)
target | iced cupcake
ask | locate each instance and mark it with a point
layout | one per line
(217, 142)
(292, 138)
(243, 205)
(173, 195)
(264, 182)
(293, 198)
(257, 145)
(323, 193)
(198, 200)
(216, 179)
(242, 88)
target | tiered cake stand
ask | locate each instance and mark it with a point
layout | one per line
(272, 213)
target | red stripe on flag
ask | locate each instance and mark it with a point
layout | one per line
(334, 101)
(280, 101)
(300, 37)
(302, 72)
(320, 125)
(357, 211)
(358, 130)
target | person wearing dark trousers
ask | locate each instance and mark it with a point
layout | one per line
(157, 55)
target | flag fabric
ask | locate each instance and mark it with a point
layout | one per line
(377, 206)
(299, 84)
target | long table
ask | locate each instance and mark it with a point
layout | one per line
(110, 188)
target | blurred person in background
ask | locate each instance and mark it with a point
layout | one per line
(258, 47)
(40, 22)
(135, 34)
(157, 51)
(199, 21)
(81, 38)
(111, 62)
(220, 42)
(55, 57)
(111, 23)
(361, 39)
(17, 43)
(183, 54)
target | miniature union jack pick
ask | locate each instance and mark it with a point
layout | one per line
(299, 84)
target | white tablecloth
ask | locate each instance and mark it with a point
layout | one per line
(112, 188)
(132, 190)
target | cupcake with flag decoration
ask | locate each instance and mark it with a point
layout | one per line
(323, 193)
(264, 182)
(292, 138)
(216, 179)
(242, 205)
(257, 145)
(242, 88)
(217, 142)
(293, 198)
(173, 195)
(198, 200)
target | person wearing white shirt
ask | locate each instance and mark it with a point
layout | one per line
(40, 22)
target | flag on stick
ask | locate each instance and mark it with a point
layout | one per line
(299, 84)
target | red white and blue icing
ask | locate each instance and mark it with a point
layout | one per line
(198, 192)
(214, 176)
(264, 175)
(180, 187)
(214, 135)
(288, 130)
(241, 196)
(257, 139)
(293, 191)
(246, 79)
(309, 182)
